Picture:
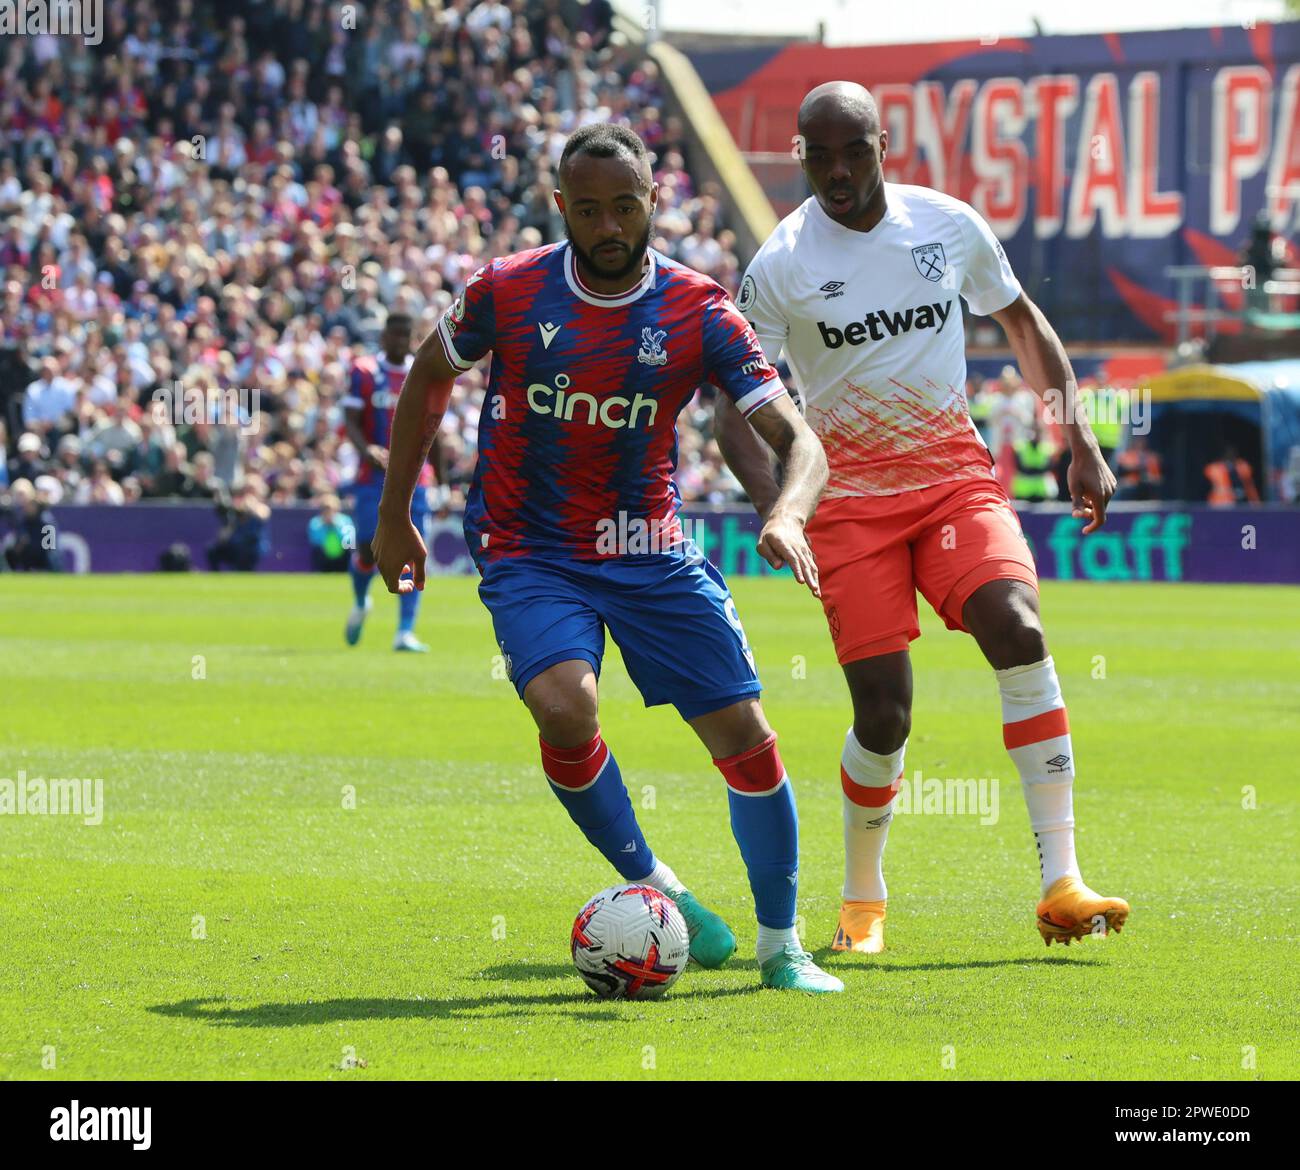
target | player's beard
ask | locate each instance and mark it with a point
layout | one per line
(634, 260)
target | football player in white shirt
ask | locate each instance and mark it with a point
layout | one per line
(859, 286)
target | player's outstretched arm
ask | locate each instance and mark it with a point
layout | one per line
(1046, 368)
(803, 463)
(397, 544)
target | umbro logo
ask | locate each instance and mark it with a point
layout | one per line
(832, 288)
(548, 333)
(630, 847)
(1058, 763)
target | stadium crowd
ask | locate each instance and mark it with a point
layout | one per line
(233, 195)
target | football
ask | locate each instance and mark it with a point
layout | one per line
(630, 942)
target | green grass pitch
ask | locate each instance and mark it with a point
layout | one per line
(233, 917)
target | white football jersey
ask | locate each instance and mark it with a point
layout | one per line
(872, 329)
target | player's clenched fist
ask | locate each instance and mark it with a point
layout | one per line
(782, 542)
(398, 547)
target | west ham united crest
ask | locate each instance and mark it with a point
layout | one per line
(930, 261)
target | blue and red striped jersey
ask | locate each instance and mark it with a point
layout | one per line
(579, 427)
(373, 390)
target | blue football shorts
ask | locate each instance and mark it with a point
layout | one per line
(670, 614)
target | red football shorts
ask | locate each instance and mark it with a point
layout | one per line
(874, 553)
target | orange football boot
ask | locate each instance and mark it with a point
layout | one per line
(1070, 910)
(861, 928)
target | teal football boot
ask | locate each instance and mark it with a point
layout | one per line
(793, 969)
(712, 942)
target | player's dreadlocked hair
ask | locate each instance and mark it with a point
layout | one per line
(605, 140)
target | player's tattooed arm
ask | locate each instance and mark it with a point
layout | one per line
(397, 545)
(786, 509)
(1046, 368)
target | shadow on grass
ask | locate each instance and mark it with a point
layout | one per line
(523, 972)
(884, 965)
(291, 651)
(580, 1005)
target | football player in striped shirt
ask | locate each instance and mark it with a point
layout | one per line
(368, 407)
(597, 344)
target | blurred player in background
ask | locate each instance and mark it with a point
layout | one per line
(859, 286)
(368, 410)
(597, 345)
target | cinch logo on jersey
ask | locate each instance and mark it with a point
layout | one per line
(882, 324)
(616, 412)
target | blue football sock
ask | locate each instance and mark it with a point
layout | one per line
(590, 786)
(766, 827)
(408, 605)
(361, 579)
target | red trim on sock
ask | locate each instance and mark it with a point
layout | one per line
(574, 767)
(759, 769)
(867, 795)
(1048, 725)
(362, 566)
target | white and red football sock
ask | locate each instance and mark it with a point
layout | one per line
(869, 782)
(1036, 732)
